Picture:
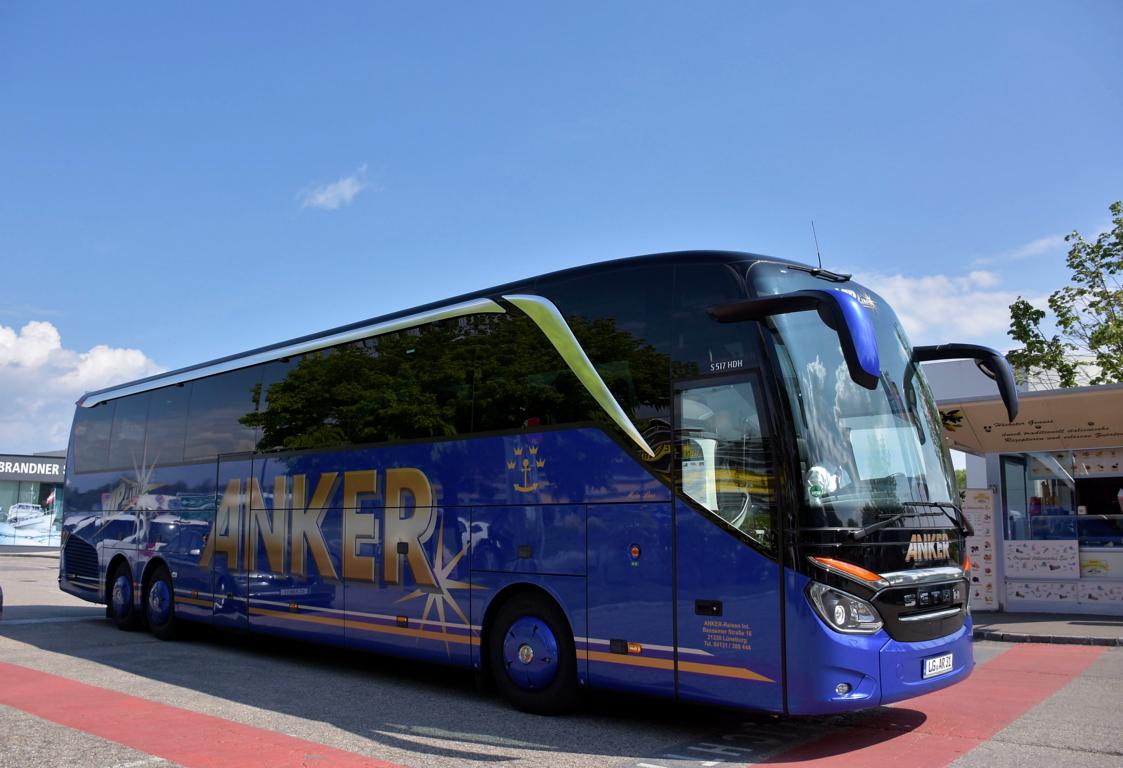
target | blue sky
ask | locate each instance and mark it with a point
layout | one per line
(178, 183)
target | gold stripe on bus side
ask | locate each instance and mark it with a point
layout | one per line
(194, 601)
(695, 667)
(363, 626)
(722, 671)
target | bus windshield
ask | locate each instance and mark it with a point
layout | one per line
(864, 454)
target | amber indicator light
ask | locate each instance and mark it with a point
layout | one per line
(856, 571)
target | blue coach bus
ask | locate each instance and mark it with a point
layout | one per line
(705, 475)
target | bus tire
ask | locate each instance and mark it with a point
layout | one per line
(121, 604)
(532, 655)
(159, 604)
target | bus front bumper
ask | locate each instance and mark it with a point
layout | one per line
(902, 664)
(830, 672)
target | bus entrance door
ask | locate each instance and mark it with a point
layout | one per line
(228, 574)
(727, 577)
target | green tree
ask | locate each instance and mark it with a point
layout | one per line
(1088, 315)
(961, 479)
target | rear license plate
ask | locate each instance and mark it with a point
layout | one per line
(938, 665)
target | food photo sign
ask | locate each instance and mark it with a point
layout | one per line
(978, 508)
(1042, 559)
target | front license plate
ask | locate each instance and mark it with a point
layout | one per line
(938, 665)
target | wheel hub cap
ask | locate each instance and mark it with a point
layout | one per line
(159, 602)
(530, 653)
(122, 596)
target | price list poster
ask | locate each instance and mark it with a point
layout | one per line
(978, 506)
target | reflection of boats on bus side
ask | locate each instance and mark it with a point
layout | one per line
(30, 517)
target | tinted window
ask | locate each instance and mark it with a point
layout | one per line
(167, 424)
(126, 445)
(519, 380)
(412, 384)
(271, 374)
(217, 413)
(703, 346)
(90, 441)
(622, 320)
(635, 302)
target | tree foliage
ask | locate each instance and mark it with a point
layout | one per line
(1088, 315)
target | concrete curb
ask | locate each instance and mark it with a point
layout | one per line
(1019, 637)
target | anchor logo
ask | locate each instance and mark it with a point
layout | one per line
(528, 465)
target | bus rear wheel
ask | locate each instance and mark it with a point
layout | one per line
(121, 608)
(532, 656)
(159, 604)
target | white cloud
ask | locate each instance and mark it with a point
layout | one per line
(41, 380)
(1050, 245)
(936, 309)
(337, 194)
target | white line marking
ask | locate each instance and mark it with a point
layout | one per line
(50, 620)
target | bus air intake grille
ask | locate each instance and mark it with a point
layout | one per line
(80, 562)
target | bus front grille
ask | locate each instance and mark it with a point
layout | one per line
(79, 563)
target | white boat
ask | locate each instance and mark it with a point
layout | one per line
(30, 517)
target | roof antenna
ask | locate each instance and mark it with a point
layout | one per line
(816, 236)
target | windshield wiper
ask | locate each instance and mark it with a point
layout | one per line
(947, 508)
(862, 533)
(951, 512)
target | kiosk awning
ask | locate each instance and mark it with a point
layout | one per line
(1049, 420)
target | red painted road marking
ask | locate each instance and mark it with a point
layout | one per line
(934, 730)
(189, 738)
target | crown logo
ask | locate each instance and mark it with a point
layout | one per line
(528, 465)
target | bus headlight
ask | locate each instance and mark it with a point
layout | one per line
(842, 611)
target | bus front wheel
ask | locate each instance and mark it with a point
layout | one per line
(121, 607)
(532, 656)
(159, 604)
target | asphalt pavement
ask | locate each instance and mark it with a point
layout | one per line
(75, 691)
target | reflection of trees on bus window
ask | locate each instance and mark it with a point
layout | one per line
(473, 374)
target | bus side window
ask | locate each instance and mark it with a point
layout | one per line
(92, 427)
(725, 458)
(622, 322)
(217, 407)
(519, 379)
(126, 445)
(703, 346)
(399, 386)
(167, 424)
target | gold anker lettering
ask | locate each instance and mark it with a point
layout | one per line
(358, 527)
(271, 526)
(927, 546)
(307, 538)
(413, 530)
(226, 535)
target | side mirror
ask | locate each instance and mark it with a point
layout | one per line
(840, 311)
(989, 361)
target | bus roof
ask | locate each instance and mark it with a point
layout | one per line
(475, 301)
